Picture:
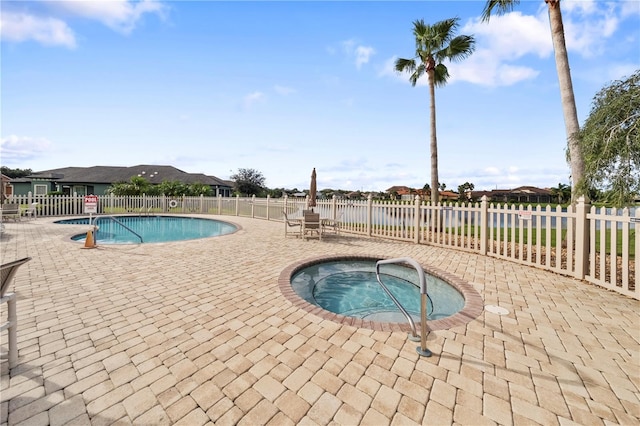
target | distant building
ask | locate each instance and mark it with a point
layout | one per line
(96, 180)
(522, 194)
(406, 193)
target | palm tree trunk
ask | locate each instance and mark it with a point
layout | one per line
(434, 139)
(568, 100)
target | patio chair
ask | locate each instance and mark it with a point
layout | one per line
(11, 211)
(292, 226)
(311, 224)
(7, 272)
(31, 211)
(332, 225)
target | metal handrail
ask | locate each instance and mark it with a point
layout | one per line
(120, 223)
(422, 349)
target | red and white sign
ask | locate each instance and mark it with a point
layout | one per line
(524, 215)
(91, 204)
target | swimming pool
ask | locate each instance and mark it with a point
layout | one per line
(150, 229)
(345, 289)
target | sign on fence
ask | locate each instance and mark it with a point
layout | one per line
(91, 204)
(524, 215)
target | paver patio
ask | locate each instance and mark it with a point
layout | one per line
(198, 332)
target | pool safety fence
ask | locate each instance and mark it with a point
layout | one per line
(598, 245)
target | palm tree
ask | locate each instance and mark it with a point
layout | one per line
(571, 124)
(435, 44)
(562, 192)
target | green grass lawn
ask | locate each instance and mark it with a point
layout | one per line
(543, 242)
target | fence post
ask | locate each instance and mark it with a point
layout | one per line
(582, 238)
(416, 220)
(334, 210)
(268, 198)
(484, 224)
(369, 214)
(219, 204)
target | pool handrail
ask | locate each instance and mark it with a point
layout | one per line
(95, 222)
(422, 349)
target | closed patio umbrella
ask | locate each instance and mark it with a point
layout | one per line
(313, 189)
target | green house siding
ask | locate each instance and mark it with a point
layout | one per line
(22, 188)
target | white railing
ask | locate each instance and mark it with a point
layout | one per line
(601, 246)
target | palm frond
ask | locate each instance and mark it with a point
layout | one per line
(443, 31)
(500, 7)
(440, 75)
(419, 72)
(461, 47)
(405, 65)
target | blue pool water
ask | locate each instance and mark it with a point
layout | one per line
(152, 229)
(350, 288)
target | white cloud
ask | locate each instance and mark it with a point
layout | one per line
(358, 53)
(629, 8)
(513, 35)
(21, 27)
(363, 53)
(51, 29)
(15, 149)
(504, 43)
(587, 28)
(253, 98)
(486, 69)
(119, 15)
(583, 7)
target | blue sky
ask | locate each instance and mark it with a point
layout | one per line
(282, 87)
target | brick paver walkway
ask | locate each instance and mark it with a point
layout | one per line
(198, 332)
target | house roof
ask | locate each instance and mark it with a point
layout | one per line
(527, 190)
(398, 189)
(112, 174)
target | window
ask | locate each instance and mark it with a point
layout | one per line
(40, 189)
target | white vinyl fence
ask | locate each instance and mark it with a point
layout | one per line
(582, 241)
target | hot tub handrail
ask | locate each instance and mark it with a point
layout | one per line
(120, 223)
(397, 303)
(422, 349)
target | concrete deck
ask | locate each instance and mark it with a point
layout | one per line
(198, 332)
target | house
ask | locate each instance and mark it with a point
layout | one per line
(97, 179)
(406, 193)
(522, 194)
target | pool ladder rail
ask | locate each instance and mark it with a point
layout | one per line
(422, 349)
(95, 225)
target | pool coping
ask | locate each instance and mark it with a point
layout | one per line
(473, 303)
